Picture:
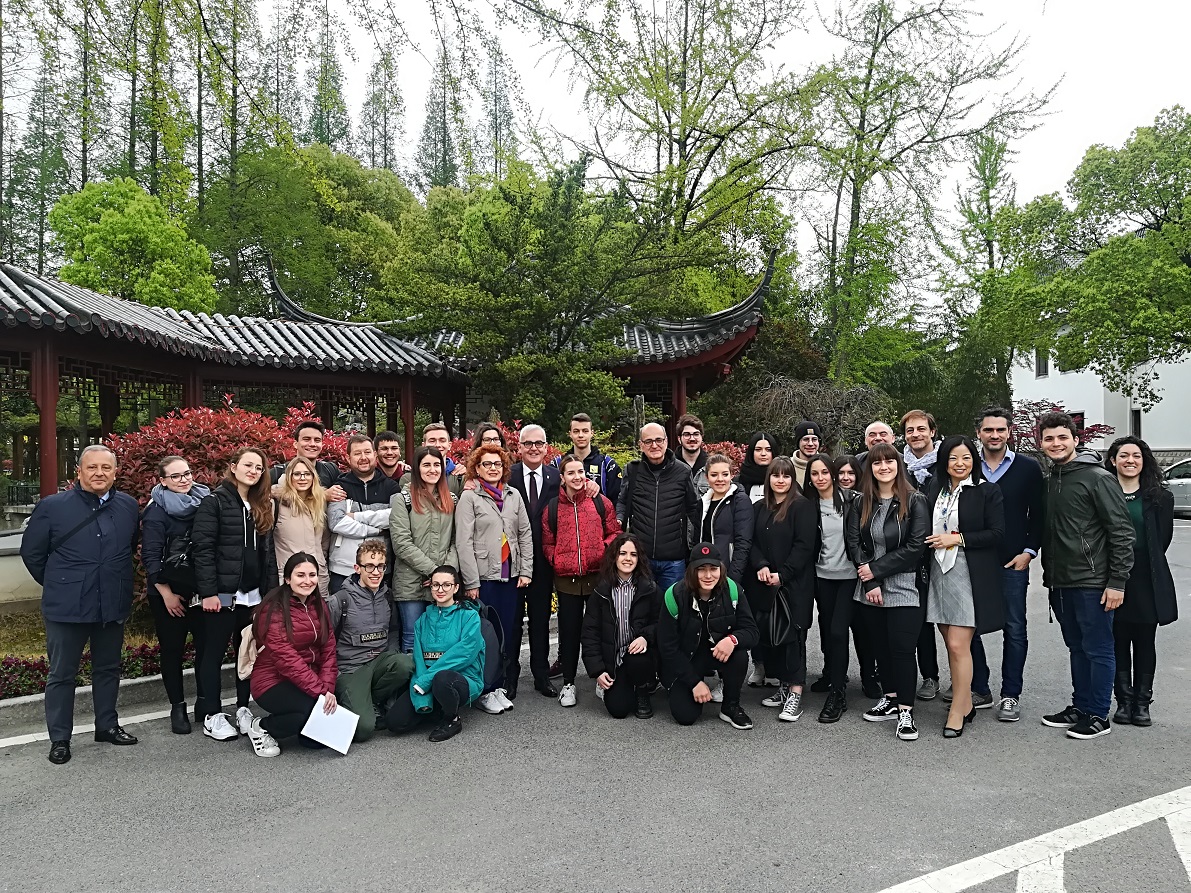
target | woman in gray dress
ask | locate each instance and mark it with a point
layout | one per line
(967, 525)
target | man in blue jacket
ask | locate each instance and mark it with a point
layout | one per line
(79, 546)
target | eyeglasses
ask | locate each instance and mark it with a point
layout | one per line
(491, 441)
(373, 568)
(533, 444)
(301, 475)
(442, 587)
(180, 476)
(686, 435)
(492, 465)
(654, 441)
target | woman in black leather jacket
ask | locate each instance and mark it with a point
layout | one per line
(886, 538)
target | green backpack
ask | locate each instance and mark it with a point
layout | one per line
(672, 605)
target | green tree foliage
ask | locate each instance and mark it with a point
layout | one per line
(329, 122)
(436, 161)
(496, 137)
(121, 241)
(383, 114)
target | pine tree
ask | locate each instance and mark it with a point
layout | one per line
(496, 140)
(329, 122)
(382, 116)
(436, 162)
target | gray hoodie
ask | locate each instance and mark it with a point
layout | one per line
(360, 619)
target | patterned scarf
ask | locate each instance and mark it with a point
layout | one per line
(920, 468)
(506, 554)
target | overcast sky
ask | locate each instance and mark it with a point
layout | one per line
(1120, 64)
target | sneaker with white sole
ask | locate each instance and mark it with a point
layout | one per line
(244, 720)
(792, 709)
(1090, 726)
(263, 744)
(490, 703)
(717, 690)
(881, 711)
(599, 692)
(734, 715)
(219, 727)
(567, 697)
(906, 730)
(777, 699)
(503, 697)
(1064, 719)
(756, 675)
(772, 682)
(1009, 710)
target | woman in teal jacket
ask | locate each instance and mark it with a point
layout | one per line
(448, 661)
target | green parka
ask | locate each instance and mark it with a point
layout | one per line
(421, 542)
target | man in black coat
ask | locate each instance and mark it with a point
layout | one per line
(79, 546)
(658, 503)
(537, 482)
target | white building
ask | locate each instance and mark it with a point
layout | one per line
(1166, 426)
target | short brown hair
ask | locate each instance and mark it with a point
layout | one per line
(919, 414)
(371, 547)
(581, 417)
(356, 439)
(435, 426)
(687, 420)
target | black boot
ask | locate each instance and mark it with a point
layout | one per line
(1124, 689)
(179, 719)
(834, 707)
(1143, 697)
(644, 708)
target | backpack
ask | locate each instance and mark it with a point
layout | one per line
(177, 566)
(672, 603)
(604, 462)
(494, 642)
(552, 512)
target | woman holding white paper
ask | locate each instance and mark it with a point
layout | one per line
(296, 661)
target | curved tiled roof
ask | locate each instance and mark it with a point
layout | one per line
(39, 302)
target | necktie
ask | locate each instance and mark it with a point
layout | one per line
(533, 492)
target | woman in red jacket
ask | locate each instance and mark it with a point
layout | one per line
(296, 662)
(575, 532)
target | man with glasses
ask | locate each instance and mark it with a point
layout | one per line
(308, 443)
(537, 482)
(365, 512)
(370, 675)
(691, 452)
(658, 503)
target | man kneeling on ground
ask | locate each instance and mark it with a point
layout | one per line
(369, 674)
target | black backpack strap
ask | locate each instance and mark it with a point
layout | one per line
(54, 547)
(600, 510)
(552, 515)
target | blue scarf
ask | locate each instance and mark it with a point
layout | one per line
(179, 505)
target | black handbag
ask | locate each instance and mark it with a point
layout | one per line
(177, 566)
(782, 628)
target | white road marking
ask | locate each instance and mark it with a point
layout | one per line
(1042, 877)
(1175, 807)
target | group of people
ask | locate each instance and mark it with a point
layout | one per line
(401, 592)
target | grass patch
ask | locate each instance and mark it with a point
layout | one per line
(23, 635)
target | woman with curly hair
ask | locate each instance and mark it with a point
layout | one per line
(495, 545)
(1149, 594)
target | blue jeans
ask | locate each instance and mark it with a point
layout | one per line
(1013, 656)
(410, 612)
(667, 573)
(1087, 630)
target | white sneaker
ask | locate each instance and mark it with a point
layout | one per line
(792, 709)
(567, 697)
(490, 703)
(219, 728)
(777, 699)
(503, 697)
(717, 689)
(244, 720)
(756, 675)
(599, 693)
(264, 744)
(772, 682)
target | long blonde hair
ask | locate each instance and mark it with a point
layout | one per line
(314, 501)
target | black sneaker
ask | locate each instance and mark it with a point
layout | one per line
(644, 708)
(1089, 727)
(821, 685)
(449, 729)
(556, 670)
(881, 711)
(734, 715)
(906, 730)
(834, 708)
(1064, 719)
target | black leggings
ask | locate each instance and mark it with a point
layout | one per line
(789, 660)
(1138, 638)
(834, 598)
(219, 629)
(448, 689)
(635, 671)
(893, 634)
(171, 635)
(289, 707)
(683, 706)
(570, 632)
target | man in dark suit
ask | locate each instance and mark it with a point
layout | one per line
(537, 482)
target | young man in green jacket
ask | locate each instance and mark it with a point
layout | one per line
(1087, 554)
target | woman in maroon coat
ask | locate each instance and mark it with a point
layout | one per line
(296, 660)
(576, 530)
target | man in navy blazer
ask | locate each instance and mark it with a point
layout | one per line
(537, 482)
(79, 546)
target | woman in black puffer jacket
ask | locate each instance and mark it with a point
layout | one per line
(620, 629)
(234, 563)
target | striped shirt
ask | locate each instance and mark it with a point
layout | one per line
(622, 602)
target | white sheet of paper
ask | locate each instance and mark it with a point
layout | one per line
(334, 730)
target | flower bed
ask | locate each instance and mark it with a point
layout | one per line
(27, 675)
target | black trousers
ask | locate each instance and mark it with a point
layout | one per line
(893, 633)
(289, 707)
(1136, 648)
(834, 600)
(864, 649)
(450, 692)
(683, 706)
(171, 635)
(535, 603)
(635, 671)
(927, 647)
(788, 661)
(570, 631)
(219, 630)
(64, 646)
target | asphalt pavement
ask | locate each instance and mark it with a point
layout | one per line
(547, 798)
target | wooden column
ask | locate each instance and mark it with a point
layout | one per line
(192, 388)
(109, 409)
(679, 396)
(45, 394)
(407, 415)
(392, 413)
(370, 417)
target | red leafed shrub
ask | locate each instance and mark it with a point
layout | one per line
(1026, 414)
(461, 446)
(27, 675)
(733, 451)
(207, 439)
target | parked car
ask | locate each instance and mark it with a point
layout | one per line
(1178, 478)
